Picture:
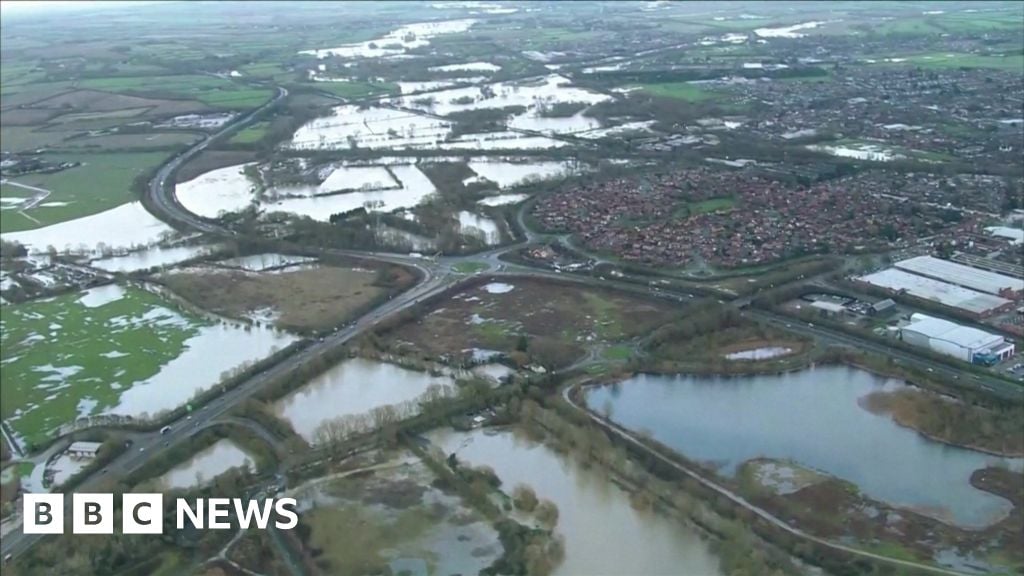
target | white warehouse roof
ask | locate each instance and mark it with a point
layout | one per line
(964, 336)
(961, 275)
(1015, 235)
(941, 292)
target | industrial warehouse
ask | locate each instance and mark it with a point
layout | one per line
(979, 293)
(962, 342)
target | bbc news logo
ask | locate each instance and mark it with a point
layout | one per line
(144, 513)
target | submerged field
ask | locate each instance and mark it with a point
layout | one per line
(553, 324)
(393, 520)
(98, 183)
(151, 357)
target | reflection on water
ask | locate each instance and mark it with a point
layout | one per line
(812, 417)
(603, 533)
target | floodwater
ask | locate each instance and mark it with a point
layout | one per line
(415, 188)
(510, 174)
(498, 288)
(344, 179)
(128, 226)
(550, 89)
(265, 261)
(787, 31)
(503, 199)
(150, 258)
(397, 41)
(216, 192)
(354, 386)
(205, 465)
(813, 418)
(207, 356)
(603, 533)
(872, 152)
(372, 127)
(759, 353)
(471, 224)
(467, 67)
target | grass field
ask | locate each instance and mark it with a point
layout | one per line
(558, 323)
(712, 205)
(251, 134)
(679, 90)
(355, 89)
(103, 181)
(470, 267)
(56, 369)
(304, 299)
(132, 142)
(1008, 62)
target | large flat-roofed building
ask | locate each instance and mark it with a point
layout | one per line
(955, 340)
(965, 276)
(973, 302)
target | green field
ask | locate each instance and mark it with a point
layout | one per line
(56, 369)
(471, 267)
(355, 89)
(679, 90)
(251, 134)
(103, 181)
(1008, 62)
(236, 99)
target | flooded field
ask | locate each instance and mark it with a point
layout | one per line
(396, 42)
(503, 199)
(155, 256)
(153, 357)
(372, 127)
(205, 465)
(861, 151)
(218, 191)
(532, 94)
(415, 187)
(126, 227)
(603, 533)
(507, 174)
(392, 519)
(813, 418)
(353, 387)
(472, 224)
(265, 261)
(764, 353)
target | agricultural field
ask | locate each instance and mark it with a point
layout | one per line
(251, 134)
(101, 181)
(554, 325)
(300, 298)
(685, 91)
(150, 359)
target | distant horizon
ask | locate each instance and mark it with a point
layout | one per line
(45, 6)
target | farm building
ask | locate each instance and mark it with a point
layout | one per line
(965, 276)
(971, 301)
(962, 342)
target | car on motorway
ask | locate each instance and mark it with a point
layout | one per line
(165, 429)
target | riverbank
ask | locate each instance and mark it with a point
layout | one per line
(953, 422)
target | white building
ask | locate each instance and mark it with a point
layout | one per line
(84, 449)
(952, 339)
(965, 276)
(972, 301)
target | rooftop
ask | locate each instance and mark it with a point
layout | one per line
(941, 292)
(964, 336)
(966, 276)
